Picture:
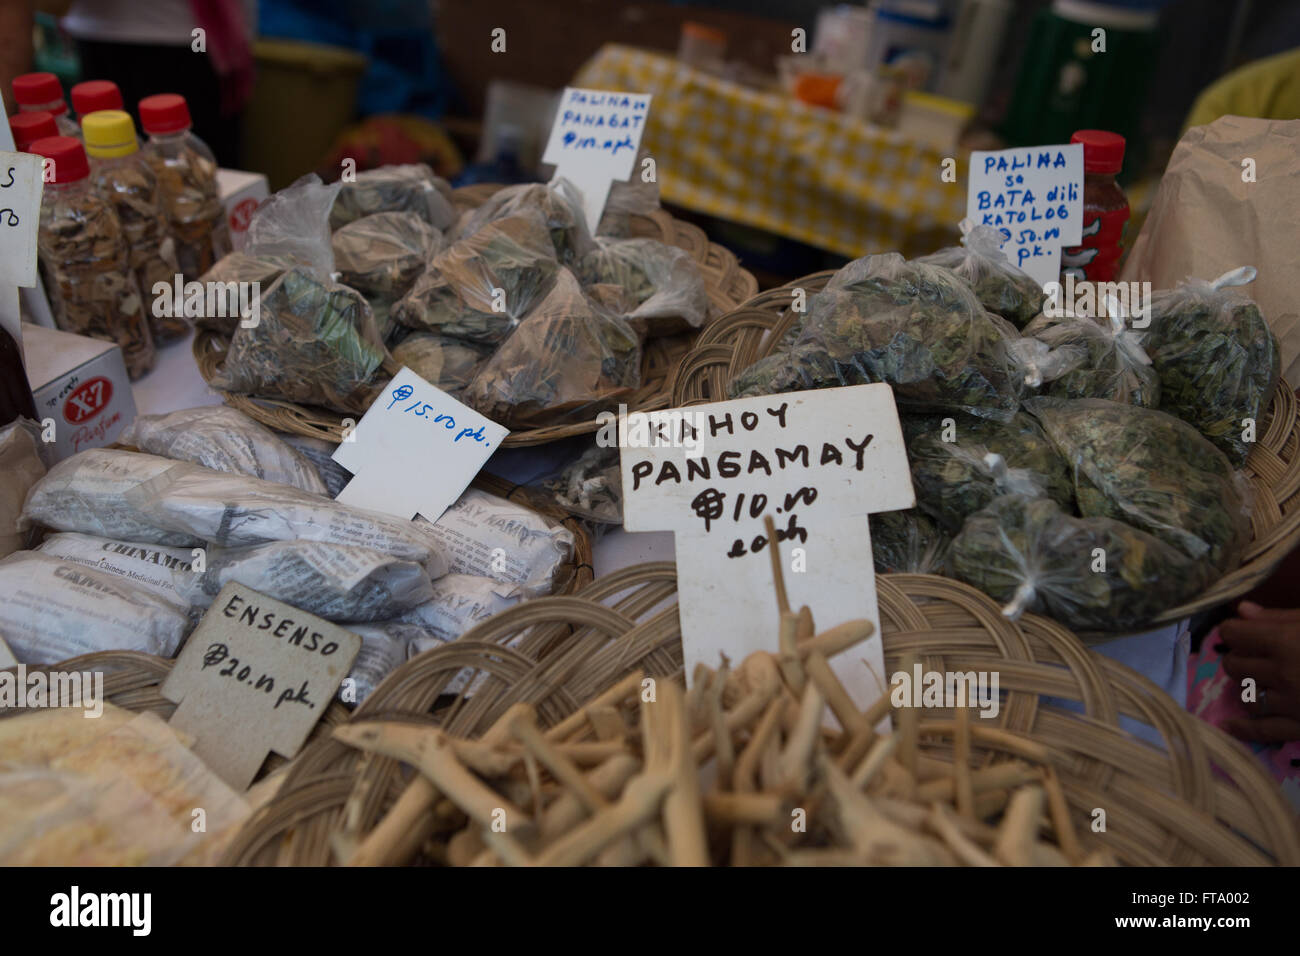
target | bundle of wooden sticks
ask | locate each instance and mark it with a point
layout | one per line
(740, 770)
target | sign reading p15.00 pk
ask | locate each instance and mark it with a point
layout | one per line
(415, 450)
(818, 463)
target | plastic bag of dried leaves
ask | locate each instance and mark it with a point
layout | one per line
(569, 357)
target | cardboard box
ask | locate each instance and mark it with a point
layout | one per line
(241, 193)
(80, 384)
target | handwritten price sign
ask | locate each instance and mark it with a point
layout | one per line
(594, 142)
(20, 217)
(415, 450)
(1034, 194)
(818, 462)
(255, 676)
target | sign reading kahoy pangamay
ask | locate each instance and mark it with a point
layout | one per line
(818, 463)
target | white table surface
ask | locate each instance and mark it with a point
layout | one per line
(175, 383)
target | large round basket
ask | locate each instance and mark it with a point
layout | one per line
(1202, 799)
(740, 338)
(727, 284)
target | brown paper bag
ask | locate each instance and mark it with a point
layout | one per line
(21, 466)
(1208, 217)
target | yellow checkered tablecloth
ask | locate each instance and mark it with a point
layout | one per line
(769, 161)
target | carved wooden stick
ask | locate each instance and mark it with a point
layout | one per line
(430, 752)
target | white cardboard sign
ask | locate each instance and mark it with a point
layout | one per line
(415, 450)
(1034, 194)
(594, 142)
(819, 462)
(255, 676)
(20, 217)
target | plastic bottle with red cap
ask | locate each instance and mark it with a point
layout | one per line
(1105, 209)
(27, 128)
(187, 178)
(123, 175)
(84, 257)
(91, 96)
(42, 92)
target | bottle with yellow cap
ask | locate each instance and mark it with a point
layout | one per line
(125, 178)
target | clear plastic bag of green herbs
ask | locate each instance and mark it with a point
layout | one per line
(962, 463)
(1086, 357)
(1217, 359)
(916, 326)
(1001, 287)
(315, 343)
(1153, 471)
(907, 542)
(1090, 574)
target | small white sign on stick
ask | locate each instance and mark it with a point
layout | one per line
(20, 219)
(255, 676)
(594, 142)
(818, 462)
(415, 450)
(1034, 194)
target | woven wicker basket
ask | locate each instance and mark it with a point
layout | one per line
(737, 340)
(1205, 800)
(727, 284)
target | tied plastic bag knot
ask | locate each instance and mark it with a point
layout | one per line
(1020, 601)
(1012, 481)
(1239, 276)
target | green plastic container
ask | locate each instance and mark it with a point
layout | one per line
(305, 95)
(1064, 86)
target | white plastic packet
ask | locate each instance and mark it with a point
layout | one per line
(333, 581)
(459, 602)
(320, 453)
(223, 439)
(383, 648)
(494, 538)
(135, 497)
(54, 609)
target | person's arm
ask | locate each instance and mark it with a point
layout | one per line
(16, 20)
